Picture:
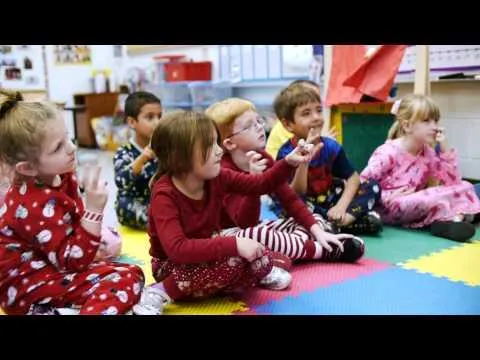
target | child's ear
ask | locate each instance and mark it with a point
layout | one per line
(229, 145)
(25, 168)
(132, 122)
(407, 126)
(287, 125)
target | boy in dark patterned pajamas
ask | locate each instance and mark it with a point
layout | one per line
(134, 162)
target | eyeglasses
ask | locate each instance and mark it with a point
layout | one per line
(259, 122)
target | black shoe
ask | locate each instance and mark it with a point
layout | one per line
(370, 224)
(456, 231)
(353, 250)
(475, 219)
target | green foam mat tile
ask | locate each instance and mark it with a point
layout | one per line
(127, 259)
(397, 245)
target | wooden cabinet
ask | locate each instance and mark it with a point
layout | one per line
(89, 106)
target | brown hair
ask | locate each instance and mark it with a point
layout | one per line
(292, 97)
(174, 139)
(22, 128)
(413, 108)
(226, 111)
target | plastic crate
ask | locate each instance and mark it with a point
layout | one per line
(205, 93)
(171, 94)
(188, 71)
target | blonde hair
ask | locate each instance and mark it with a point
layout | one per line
(225, 112)
(22, 128)
(292, 97)
(174, 139)
(411, 109)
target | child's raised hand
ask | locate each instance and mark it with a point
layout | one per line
(314, 138)
(301, 154)
(249, 249)
(331, 133)
(96, 192)
(440, 135)
(148, 152)
(256, 163)
(441, 139)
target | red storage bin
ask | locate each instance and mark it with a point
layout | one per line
(188, 71)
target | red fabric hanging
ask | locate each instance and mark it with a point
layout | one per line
(375, 77)
(345, 60)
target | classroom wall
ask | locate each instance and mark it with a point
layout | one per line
(459, 101)
(66, 80)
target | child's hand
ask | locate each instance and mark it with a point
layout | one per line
(337, 214)
(440, 136)
(301, 154)
(331, 133)
(96, 192)
(148, 153)
(314, 138)
(441, 139)
(249, 249)
(326, 239)
(256, 163)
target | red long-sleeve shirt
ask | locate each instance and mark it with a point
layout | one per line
(244, 210)
(185, 231)
(40, 226)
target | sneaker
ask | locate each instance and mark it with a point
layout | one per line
(453, 230)
(68, 311)
(152, 301)
(353, 250)
(38, 309)
(370, 224)
(472, 218)
(277, 279)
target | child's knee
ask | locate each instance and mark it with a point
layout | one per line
(373, 187)
(133, 274)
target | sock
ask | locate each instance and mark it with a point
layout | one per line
(159, 286)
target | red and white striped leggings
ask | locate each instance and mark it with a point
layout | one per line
(284, 236)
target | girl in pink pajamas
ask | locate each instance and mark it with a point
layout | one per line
(48, 236)
(406, 164)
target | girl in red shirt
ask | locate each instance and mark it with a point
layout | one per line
(191, 257)
(48, 236)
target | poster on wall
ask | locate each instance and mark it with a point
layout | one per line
(22, 67)
(296, 61)
(72, 54)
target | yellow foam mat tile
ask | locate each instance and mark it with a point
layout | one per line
(461, 264)
(135, 243)
(214, 306)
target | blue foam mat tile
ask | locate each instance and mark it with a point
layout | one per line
(394, 291)
(266, 213)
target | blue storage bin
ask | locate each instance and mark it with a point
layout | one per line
(205, 93)
(172, 95)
